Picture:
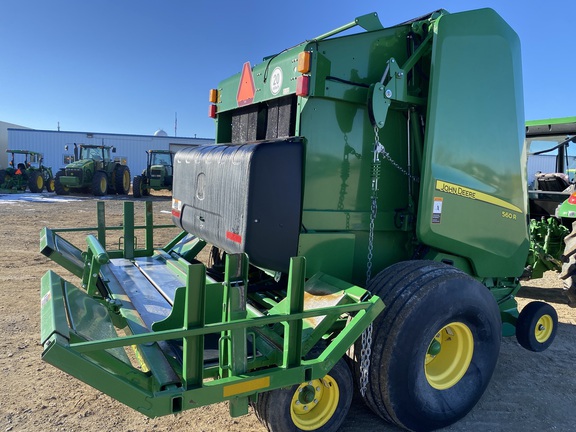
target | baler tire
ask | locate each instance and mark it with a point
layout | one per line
(59, 188)
(409, 384)
(276, 409)
(36, 182)
(99, 183)
(122, 180)
(568, 272)
(536, 326)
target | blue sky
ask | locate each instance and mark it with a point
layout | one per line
(127, 66)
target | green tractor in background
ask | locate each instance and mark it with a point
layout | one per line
(552, 201)
(157, 175)
(29, 173)
(94, 172)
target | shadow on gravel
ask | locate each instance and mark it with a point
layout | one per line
(551, 295)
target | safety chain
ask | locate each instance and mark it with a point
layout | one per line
(379, 148)
(365, 353)
(366, 349)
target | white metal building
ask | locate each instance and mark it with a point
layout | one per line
(4, 141)
(58, 146)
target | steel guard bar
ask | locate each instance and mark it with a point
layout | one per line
(90, 361)
(78, 333)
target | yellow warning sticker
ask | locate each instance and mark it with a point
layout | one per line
(246, 386)
(465, 192)
(437, 210)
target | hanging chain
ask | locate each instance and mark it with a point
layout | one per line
(366, 349)
(379, 148)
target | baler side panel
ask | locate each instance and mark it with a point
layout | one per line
(472, 184)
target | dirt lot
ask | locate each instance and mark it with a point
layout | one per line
(529, 392)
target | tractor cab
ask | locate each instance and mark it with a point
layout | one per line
(26, 171)
(551, 165)
(158, 174)
(26, 160)
(160, 161)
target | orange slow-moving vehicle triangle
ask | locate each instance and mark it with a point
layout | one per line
(246, 88)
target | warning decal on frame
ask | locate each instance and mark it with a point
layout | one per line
(437, 210)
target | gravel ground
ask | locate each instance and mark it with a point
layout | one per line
(529, 391)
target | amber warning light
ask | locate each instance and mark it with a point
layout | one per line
(304, 62)
(212, 98)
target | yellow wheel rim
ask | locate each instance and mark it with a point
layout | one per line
(314, 403)
(39, 182)
(449, 355)
(103, 184)
(543, 328)
(126, 180)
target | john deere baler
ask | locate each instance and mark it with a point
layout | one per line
(364, 213)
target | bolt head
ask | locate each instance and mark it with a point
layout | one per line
(388, 93)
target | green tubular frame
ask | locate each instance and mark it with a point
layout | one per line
(279, 337)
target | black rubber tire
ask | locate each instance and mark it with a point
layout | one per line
(528, 321)
(273, 407)
(568, 272)
(36, 182)
(421, 298)
(122, 180)
(137, 186)
(50, 184)
(99, 183)
(59, 188)
(4, 177)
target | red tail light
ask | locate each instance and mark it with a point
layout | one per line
(212, 111)
(303, 85)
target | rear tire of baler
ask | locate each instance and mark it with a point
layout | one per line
(122, 180)
(430, 304)
(568, 272)
(281, 410)
(536, 326)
